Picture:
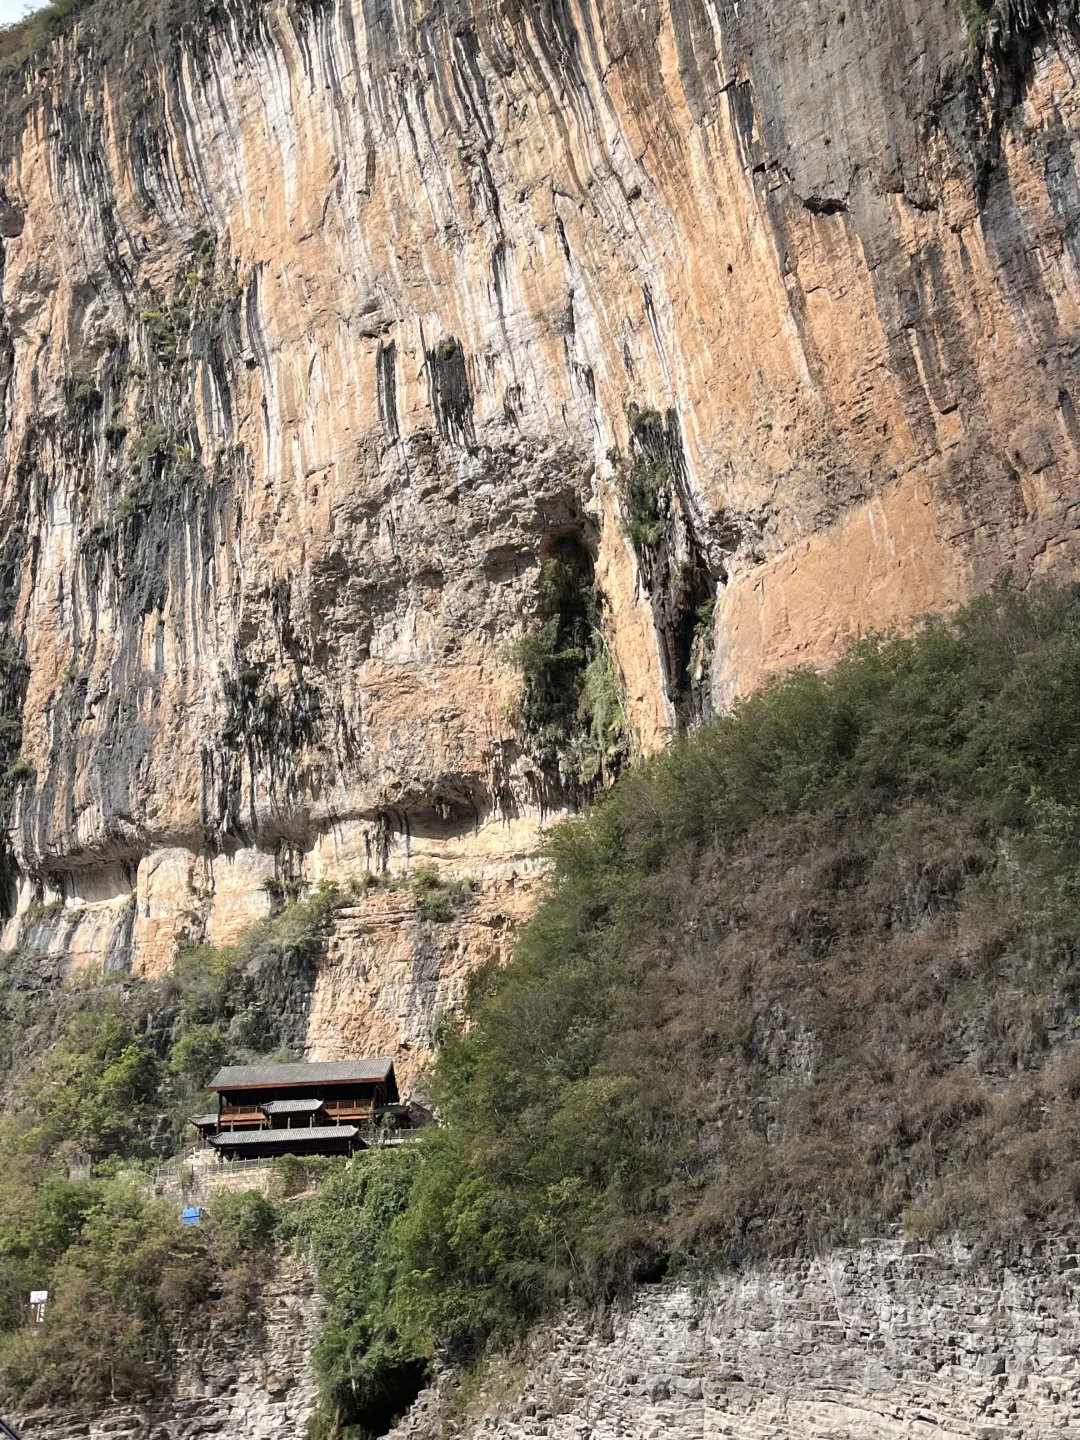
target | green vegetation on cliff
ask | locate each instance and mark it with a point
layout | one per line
(119, 1268)
(119, 23)
(369, 1366)
(570, 708)
(108, 1073)
(810, 974)
(106, 1070)
(21, 40)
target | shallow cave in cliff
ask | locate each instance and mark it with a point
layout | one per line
(372, 1411)
(570, 707)
(455, 805)
(552, 659)
(686, 642)
(573, 552)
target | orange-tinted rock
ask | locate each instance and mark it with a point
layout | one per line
(322, 323)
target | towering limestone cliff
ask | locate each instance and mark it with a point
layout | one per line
(326, 323)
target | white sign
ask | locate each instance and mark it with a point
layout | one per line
(38, 1297)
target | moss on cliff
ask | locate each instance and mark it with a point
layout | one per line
(570, 708)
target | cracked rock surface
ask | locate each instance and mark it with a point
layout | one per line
(871, 1343)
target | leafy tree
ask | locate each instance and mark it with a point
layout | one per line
(199, 1053)
(98, 1087)
(369, 1370)
(117, 1264)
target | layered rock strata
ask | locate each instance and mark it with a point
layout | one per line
(235, 1386)
(324, 325)
(878, 1341)
(871, 1343)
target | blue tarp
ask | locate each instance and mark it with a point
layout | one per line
(191, 1215)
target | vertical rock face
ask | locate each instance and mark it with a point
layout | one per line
(322, 324)
(388, 976)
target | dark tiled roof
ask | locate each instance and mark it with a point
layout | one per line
(319, 1072)
(291, 1107)
(229, 1138)
(203, 1120)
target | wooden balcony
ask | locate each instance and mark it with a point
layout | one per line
(341, 1111)
(243, 1117)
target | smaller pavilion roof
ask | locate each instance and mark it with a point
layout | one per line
(201, 1121)
(291, 1107)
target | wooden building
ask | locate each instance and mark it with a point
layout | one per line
(318, 1108)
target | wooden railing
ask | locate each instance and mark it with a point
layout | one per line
(243, 1115)
(349, 1109)
(251, 1116)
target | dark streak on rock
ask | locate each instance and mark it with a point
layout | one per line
(451, 398)
(386, 385)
